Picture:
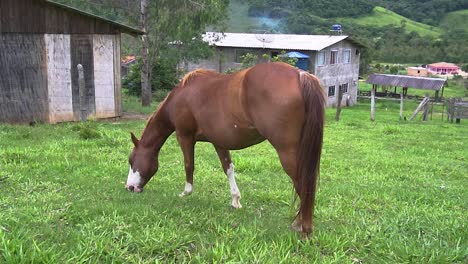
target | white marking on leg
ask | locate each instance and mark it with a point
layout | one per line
(187, 191)
(133, 179)
(235, 193)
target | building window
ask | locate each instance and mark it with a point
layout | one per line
(239, 53)
(346, 56)
(344, 88)
(321, 58)
(331, 90)
(333, 56)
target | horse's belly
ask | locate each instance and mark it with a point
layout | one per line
(234, 138)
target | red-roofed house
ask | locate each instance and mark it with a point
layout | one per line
(443, 68)
(125, 64)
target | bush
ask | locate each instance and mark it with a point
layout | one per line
(163, 77)
(87, 130)
(464, 67)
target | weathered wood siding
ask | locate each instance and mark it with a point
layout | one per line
(104, 82)
(59, 82)
(38, 16)
(22, 16)
(82, 53)
(23, 78)
(118, 77)
(41, 44)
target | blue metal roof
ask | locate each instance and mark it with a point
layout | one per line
(295, 54)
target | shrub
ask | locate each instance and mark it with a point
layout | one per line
(86, 130)
(464, 67)
(163, 77)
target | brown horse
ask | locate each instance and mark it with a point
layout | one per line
(272, 101)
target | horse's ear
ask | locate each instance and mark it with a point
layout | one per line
(134, 139)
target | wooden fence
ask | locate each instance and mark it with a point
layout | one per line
(457, 109)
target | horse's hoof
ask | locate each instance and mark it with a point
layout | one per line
(305, 236)
(296, 227)
(236, 201)
(236, 206)
(184, 193)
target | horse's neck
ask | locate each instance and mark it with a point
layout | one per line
(157, 130)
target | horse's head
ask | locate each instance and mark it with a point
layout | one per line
(143, 165)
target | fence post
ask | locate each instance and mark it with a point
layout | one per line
(372, 113)
(338, 103)
(423, 103)
(426, 107)
(82, 92)
(401, 105)
(451, 109)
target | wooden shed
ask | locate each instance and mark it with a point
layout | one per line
(41, 44)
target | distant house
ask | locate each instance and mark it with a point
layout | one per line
(41, 44)
(333, 59)
(443, 68)
(416, 71)
(126, 63)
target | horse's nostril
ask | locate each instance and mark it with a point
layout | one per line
(130, 188)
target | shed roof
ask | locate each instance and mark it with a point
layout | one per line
(125, 28)
(407, 81)
(273, 41)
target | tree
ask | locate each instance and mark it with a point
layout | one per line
(145, 66)
(176, 27)
(465, 68)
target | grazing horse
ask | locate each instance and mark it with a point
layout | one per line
(272, 101)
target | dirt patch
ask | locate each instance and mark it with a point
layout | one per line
(134, 116)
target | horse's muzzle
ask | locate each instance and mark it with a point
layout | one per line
(133, 188)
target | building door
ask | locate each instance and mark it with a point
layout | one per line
(82, 53)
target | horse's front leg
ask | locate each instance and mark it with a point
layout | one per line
(228, 167)
(187, 143)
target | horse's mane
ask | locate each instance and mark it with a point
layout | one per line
(191, 75)
(187, 78)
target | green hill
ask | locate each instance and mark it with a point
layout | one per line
(457, 20)
(382, 17)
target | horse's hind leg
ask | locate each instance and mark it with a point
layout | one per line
(228, 168)
(288, 158)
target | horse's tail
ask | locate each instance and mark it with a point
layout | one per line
(310, 146)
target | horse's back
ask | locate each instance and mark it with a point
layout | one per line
(241, 109)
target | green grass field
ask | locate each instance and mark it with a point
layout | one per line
(390, 192)
(382, 17)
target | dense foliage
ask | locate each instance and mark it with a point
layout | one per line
(425, 11)
(390, 43)
(163, 77)
(323, 8)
